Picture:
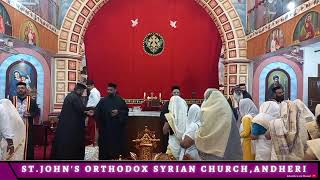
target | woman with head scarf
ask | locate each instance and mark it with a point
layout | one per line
(260, 124)
(218, 136)
(12, 132)
(177, 118)
(188, 137)
(304, 116)
(247, 111)
(286, 133)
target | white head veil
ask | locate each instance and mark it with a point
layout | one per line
(193, 121)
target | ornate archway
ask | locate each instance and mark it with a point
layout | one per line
(222, 12)
(81, 13)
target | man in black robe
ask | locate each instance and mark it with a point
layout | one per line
(70, 135)
(112, 116)
(175, 91)
(28, 110)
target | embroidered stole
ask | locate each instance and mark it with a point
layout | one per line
(15, 103)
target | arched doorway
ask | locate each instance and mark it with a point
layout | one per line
(120, 51)
(27, 66)
(81, 13)
(274, 64)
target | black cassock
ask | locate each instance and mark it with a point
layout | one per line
(70, 135)
(112, 130)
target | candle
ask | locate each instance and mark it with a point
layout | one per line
(160, 96)
(144, 95)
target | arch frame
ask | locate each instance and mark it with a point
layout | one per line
(222, 12)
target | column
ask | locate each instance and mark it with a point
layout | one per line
(236, 72)
(65, 75)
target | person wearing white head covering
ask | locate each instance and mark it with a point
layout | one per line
(270, 107)
(313, 150)
(260, 124)
(285, 133)
(248, 111)
(313, 127)
(188, 137)
(218, 136)
(304, 115)
(177, 117)
(12, 132)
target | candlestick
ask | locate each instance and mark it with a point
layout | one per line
(159, 96)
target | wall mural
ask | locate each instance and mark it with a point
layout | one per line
(275, 40)
(275, 78)
(20, 71)
(48, 9)
(29, 33)
(26, 68)
(287, 77)
(64, 6)
(307, 28)
(241, 8)
(5, 22)
(261, 12)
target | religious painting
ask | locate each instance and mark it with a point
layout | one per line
(233, 69)
(64, 6)
(275, 40)
(250, 16)
(275, 78)
(20, 71)
(233, 79)
(243, 69)
(240, 6)
(262, 12)
(5, 22)
(46, 9)
(307, 28)
(29, 33)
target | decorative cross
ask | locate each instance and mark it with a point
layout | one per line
(154, 41)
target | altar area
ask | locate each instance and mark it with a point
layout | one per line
(137, 122)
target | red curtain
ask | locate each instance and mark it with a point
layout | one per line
(114, 49)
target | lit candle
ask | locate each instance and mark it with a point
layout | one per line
(160, 96)
(144, 95)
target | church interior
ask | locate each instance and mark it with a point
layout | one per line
(146, 47)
